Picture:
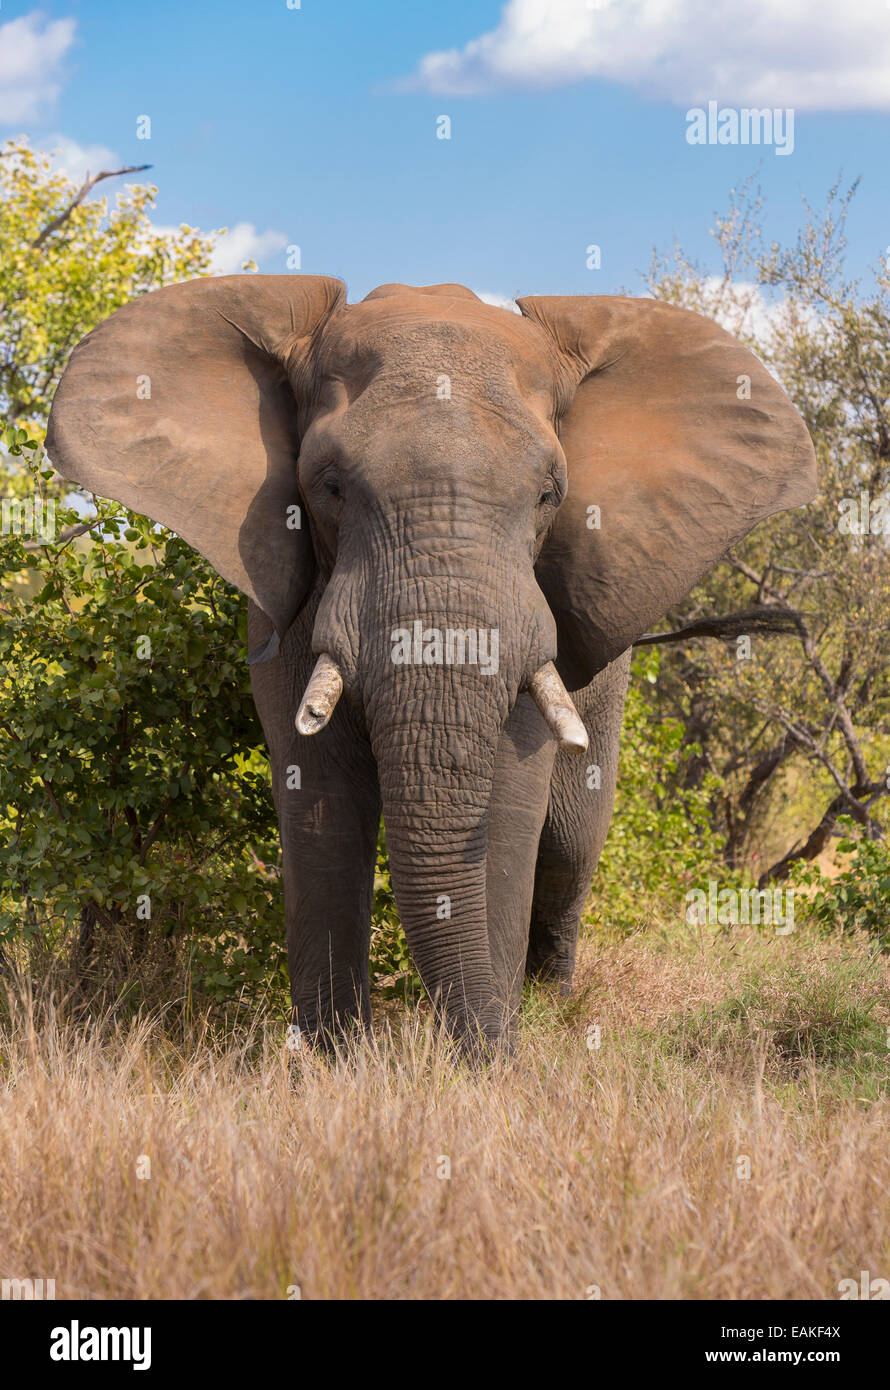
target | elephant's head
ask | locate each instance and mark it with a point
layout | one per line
(484, 493)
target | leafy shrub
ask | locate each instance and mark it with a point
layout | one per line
(133, 778)
(859, 897)
(134, 790)
(661, 842)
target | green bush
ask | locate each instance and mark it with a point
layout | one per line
(859, 897)
(134, 788)
(661, 842)
(137, 838)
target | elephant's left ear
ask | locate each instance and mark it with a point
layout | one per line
(183, 406)
(677, 441)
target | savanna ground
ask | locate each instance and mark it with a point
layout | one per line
(609, 1164)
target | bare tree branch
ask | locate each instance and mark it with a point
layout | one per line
(812, 847)
(78, 198)
(764, 618)
(69, 534)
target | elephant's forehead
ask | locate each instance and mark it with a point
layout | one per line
(412, 336)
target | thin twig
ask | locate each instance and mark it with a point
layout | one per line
(62, 218)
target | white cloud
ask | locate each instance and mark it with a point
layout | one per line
(167, 229)
(31, 53)
(815, 54)
(76, 161)
(742, 308)
(244, 243)
(500, 301)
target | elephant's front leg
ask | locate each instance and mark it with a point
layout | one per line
(582, 793)
(328, 804)
(329, 843)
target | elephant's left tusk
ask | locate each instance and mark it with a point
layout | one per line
(321, 695)
(555, 704)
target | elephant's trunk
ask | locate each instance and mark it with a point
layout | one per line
(436, 661)
(435, 783)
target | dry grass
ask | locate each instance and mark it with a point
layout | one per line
(614, 1166)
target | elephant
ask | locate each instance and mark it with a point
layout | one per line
(451, 521)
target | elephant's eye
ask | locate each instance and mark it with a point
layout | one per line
(331, 487)
(552, 489)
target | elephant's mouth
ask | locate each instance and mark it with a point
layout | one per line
(545, 687)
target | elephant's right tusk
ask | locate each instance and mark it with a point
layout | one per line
(555, 703)
(322, 693)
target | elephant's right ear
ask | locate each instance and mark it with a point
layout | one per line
(180, 406)
(678, 441)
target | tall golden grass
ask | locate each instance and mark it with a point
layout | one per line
(578, 1170)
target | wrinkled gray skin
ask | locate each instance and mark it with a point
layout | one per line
(430, 441)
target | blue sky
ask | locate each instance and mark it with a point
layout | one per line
(318, 126)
